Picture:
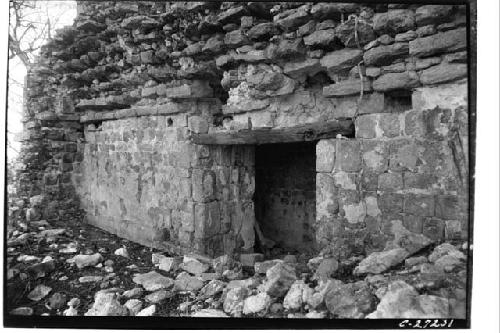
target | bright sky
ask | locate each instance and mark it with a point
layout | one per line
(61, 13)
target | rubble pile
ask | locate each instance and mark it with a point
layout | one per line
(76, 271)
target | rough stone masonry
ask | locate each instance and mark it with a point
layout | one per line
(115, 104)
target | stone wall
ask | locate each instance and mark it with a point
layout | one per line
(137, 80)
(143, 180)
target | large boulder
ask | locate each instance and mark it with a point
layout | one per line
(153, 281)
(84, 260)
(379, 262)
(234, 301)
(257, 304)
(107, 304)
(351, 300)
(394, 21)
(402, 301)
(297, 295)
(279, 278)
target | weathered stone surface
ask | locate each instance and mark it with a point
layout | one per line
(39, 292)
(348, 31)
(394, 21)
(193, 266)
(133, 306)
(22, 311)
(147, 312)
(204, 313)
(320, 38)
(197, 89)
(444, 42)
(352, 300)
(107, 304)
(153, 281)
(325, 9)
(249, 259)
(379, 262)
(341, 60)
(308, 67)
(234, 301)
(296, 296)
(261, 31)
(158, 296)
(326, 268)
(443, 73)
(213, 288)
(402, 301)
(264, 266)
(410, 241)
(325, 155)
(84, 260)
(430, 14)
(385, 54)
(133, 293)
(90, 279)
(257, 304)
(57, 301)
(279, 278)
(295, 19)
(393, 81)
(184, 282)
(346, 88)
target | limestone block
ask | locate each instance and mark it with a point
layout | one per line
(385, 54)
(434, 229)
(320, 38)
(444, 42)
(262, 31)
(419, 180)
(390, 202)
(393, 81)
(341, 60)
(432, 14)
(394, 21)
(325, 155)
(419, 204)
(390, 181)
(446, 96)
(308, 67)
(346, 31)
(235, 38)
(207, 220)
(453, 229)
(197, 89)
(448, 207)
(326, 197)
(442, 73)
(203, 185)
(375, 154)
(367, 126)
(347, 87)
(297, 18)
(348, 157)
(198, 124)
(372, 103)
(389, 124)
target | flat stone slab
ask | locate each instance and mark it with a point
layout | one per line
(153, 281)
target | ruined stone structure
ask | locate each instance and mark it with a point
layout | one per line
(337, 127)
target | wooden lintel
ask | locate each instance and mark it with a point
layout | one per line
(307, 132)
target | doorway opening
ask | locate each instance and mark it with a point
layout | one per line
(285, 196)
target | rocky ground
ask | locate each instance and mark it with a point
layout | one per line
(65, 267)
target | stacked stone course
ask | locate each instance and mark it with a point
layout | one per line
(114, 100)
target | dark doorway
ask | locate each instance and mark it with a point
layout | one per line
(285, 194)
